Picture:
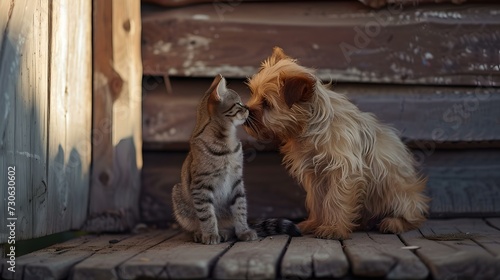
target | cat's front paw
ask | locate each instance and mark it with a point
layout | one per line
(210, 239)
(247, 235)
(226, 235)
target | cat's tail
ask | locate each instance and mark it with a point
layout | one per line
(276, 226)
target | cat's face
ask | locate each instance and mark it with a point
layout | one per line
(226, 104)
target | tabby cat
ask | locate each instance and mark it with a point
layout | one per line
(210, 201)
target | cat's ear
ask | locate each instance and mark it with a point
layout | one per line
(221, 90)
(215, 83)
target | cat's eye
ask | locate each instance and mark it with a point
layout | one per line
(241, 105)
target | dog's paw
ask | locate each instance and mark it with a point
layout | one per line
(330, 232)
(247, 235)
(395, 225)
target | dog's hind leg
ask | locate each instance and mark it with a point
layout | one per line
(409, 208)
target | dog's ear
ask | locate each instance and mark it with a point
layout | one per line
(297, 88)
(278, 54)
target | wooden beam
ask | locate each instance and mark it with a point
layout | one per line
(117, 145)
(344, 40)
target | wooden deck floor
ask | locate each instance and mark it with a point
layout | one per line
(440, 249)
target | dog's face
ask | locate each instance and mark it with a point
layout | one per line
(280, 92)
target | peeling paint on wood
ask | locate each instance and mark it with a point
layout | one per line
(434, 45)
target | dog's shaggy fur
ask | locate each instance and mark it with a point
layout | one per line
(353, 168)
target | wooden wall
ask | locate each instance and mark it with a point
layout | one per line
(45, 113)
(431, 71)
(64, 100)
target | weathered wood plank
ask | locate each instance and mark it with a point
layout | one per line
(426, 117)
(463, 183)
(117, 158)
(23, 121)
(176, 258)
(70, 116)
(38, 256)
(308, 257)
(483, 234)
(382, 3)
(41, 105)
(103, 264)
(371, 3)
(252, 260)
(450, 253)
(57, 265)
(374, 254)
(345, 41)
(495, 222)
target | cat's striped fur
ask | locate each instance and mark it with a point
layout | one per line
(210, 201)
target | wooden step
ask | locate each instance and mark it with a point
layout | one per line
(427, 117)
(461, 183)
(441, 249)
(344, 40)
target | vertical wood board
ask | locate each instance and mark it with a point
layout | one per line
(23, 113)
(70, 106)
(116, 132)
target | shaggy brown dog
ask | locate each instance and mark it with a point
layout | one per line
(353, 168)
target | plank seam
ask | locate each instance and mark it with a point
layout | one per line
(280, 258)
(490, 224)
(214, 262)
(348, 257)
